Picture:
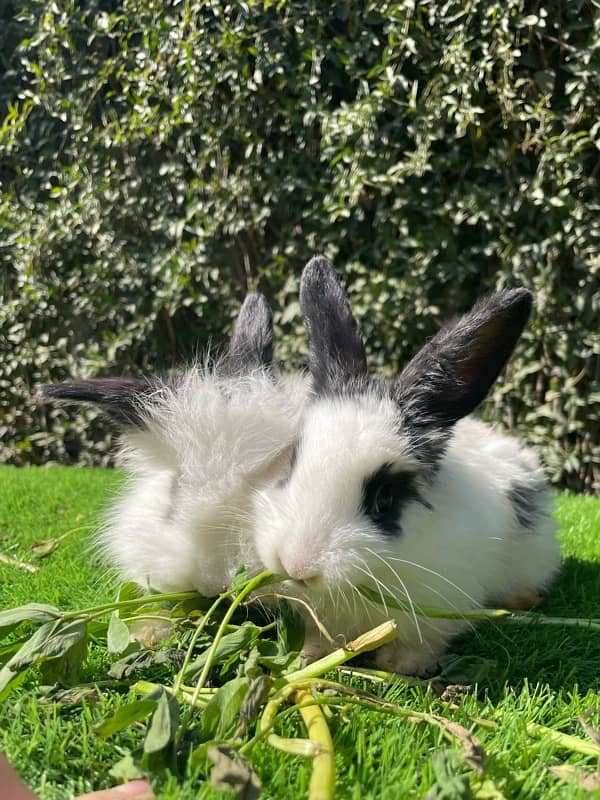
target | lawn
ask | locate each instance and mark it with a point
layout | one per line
(510, 676)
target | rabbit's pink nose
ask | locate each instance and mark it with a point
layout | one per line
(300, 569)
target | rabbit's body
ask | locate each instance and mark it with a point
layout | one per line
(394, 488)
(207, 443)
(196, 446)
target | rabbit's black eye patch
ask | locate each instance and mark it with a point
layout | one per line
(385, 493)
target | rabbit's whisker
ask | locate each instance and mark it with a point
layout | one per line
(407, 593)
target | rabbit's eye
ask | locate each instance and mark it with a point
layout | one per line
(383, 501)
(384, 495)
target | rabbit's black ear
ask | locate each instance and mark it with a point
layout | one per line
(453, 373)
(337, 353)
(251, 344)
(123, 398)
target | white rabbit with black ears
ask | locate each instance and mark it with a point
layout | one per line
(392, 488)
(196, 445)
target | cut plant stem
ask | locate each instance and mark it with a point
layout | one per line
(13, 562)
(383, 676)
(185, 693)
(309, 610)
(477, 614)
(370, 640)
(346, 698)
(322, 779)
(252, 585)
(199, 628)
(530, 618)
(136, 602)
(565, 740)
(586, 748)
(294, 747)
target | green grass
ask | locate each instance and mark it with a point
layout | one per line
(545, 675)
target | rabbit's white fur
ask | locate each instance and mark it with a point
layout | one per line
(462, 547)
(206, 444)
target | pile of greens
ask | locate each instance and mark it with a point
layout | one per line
(211, 678)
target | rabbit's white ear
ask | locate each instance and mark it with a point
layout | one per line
(251, 345)
(124, 398)
(337, 353)
(453, 373)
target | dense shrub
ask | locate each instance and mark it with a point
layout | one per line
(161, 158)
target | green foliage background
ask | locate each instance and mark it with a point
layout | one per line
(159, 159)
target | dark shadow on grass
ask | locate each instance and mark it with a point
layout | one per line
(560, 656)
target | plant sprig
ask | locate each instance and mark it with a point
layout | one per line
(235, 683)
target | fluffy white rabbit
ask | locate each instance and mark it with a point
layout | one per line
(196, 446)
(393, 487)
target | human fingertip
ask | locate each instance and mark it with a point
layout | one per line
(138, 788)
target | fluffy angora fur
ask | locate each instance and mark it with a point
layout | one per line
(196, 446)
(207, 443)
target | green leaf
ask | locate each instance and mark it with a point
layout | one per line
(126, 770)
(163, 725)
(9, 681)
(141, 660)
(231, 644)
(199, 756)
(136, 711)
(184, 608)
(129, 591)
(274, 657)
(223, 710)
(279, 664)
(50, 640)
(43, 548)
(32, 612)
(251, 666)
(118, 634)
(65, 668)
(255, 698)
(8, 650)
(240, 579)
(290, 627)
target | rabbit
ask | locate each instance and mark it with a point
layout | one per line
(392, 485)
(195, 446)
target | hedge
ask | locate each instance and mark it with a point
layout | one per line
(159, 159)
